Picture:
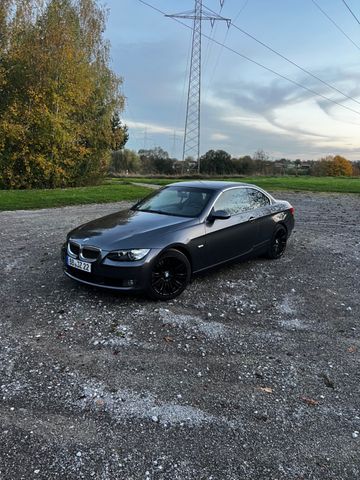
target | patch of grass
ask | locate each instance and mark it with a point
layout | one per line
(313, 184)
(116, 190)
(60, 197)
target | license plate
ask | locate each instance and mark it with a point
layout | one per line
(84, 266)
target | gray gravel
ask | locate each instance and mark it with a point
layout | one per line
(253, 373)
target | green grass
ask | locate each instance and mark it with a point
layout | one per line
(313, 184)
(109, 192)
(115, 190)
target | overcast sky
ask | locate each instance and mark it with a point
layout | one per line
(244, 107)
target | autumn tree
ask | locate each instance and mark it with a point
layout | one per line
(332, 167)
(339, 166)
(58, 94)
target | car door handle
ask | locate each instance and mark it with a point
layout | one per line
(251, 219)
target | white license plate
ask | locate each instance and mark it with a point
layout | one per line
(84, 266)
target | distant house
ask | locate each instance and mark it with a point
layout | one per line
(305, 168)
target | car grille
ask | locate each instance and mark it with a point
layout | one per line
(90, 253)
(74, 248)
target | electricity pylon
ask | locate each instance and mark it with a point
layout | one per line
(193, 109)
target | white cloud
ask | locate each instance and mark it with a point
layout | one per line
(149, 127)
(219, 136)
(280, 117)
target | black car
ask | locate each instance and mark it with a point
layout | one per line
(182, 229)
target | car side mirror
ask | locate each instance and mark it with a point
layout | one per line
(219, 215)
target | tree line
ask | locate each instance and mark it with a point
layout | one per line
(59, 100)
(60, 107)
(157, 161)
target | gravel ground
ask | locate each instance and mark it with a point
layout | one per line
(253, 373)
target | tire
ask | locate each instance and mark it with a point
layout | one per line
(277, 245)
(169, 276)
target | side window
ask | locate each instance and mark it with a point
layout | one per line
(257, 199)
(233, 201)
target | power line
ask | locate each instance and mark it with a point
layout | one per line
(284, 77)
(193, 109)
(241, 10)
(352, 13)
(336, 25)
(218, 58)
(209, 48)
(187, 69)
(224, 42)
(293, 63)
(216, 62)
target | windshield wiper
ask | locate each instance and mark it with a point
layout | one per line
(170, 214)
(160, 212)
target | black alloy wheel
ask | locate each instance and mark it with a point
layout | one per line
(278, 243)
(169, 276)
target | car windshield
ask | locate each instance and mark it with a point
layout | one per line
(178, 201)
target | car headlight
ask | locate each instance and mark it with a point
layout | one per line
(128, 255)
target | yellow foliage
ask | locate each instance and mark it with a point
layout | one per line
(57, 96)
(339, 166)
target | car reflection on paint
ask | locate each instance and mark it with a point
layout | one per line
(176, 232)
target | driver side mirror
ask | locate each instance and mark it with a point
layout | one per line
(219, 215)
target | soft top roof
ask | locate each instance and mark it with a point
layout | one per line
(210, 184)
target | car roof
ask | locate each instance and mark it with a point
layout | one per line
(211, 184)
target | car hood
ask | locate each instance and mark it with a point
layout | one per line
(129, 229)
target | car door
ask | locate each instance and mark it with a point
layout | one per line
(235, 236)
(260, 207)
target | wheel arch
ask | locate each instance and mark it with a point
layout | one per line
(182, 249)
(282, 224)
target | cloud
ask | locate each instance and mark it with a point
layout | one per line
(282, 117)
(149, 127)
(219, 136)
(261, 98)
(237, 115)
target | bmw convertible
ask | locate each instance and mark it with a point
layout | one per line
(183, 229)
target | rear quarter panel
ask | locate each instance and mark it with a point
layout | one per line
(269, 217)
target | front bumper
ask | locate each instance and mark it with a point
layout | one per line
(105, 273)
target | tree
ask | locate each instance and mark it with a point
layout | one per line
(156, 160)
(356, 168)
(217, 163)
(244, 165)
(119, 132)
(339, 166)
(297, 164)
(332, 166)
(57, 94)
(261, 160)
(320, 168)
(125, 161)
(261, 156)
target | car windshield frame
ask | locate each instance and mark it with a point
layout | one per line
(211, 192)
